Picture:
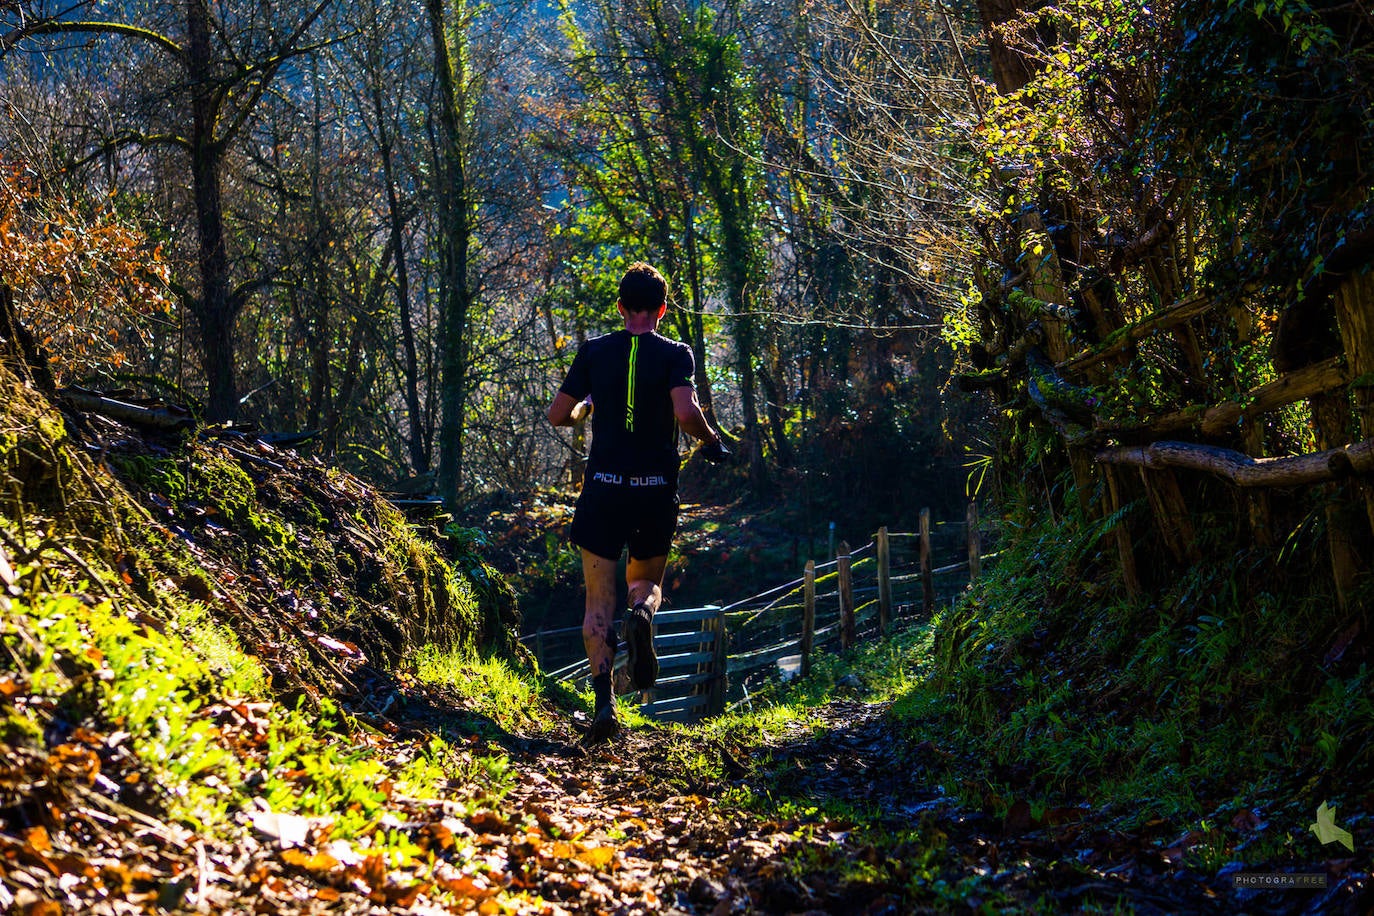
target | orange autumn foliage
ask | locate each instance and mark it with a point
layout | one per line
(86, 282)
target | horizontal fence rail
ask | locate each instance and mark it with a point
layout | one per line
(703, 652)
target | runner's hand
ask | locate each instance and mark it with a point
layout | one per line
(715, 451)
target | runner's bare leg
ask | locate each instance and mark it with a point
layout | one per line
(599, 575)
(645, 579)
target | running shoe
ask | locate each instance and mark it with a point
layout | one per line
(605, 726)
(643, 662)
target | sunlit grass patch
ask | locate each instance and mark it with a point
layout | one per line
(490, 687)
(188, 706)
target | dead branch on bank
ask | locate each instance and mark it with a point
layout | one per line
(1241, 469)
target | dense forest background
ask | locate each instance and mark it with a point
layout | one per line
(1103, 267)
(1137, 237)
(394, 223)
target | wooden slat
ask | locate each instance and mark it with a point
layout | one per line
(676, 704)
(683, 659)
(678, 681)
(681, 640)
(686, 615)
(751, 661)
(1159, 321)
(684, 716)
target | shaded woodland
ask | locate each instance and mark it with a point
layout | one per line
(393, 225)
(1104, 268)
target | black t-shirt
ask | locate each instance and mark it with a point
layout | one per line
(630, 378)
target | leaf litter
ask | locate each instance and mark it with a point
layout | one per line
(629, 827)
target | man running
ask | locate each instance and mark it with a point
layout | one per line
(641, 385)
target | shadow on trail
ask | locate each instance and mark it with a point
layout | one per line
(905, 834)
(420, 711)
(850, 815)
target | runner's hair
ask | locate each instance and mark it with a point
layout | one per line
(643, 288)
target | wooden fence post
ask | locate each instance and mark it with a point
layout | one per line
(927, 581)
(715, 702)
(808, 635)
(884, 580)
(975, 543)
(846, 578)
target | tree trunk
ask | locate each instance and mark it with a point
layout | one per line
(741, 270)
(1010, 70)
(319, 299)
(1252, 436)
(697, 337)
(455, 234)
(1172, 518)
(1331, 416)
(1355, 313)
(776, 425)
(1125, 549)
(1242, 470)
(216, 308)
(416, 440)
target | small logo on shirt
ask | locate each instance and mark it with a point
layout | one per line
(654, 480)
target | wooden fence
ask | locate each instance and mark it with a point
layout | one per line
(709, 656)
(691, 652)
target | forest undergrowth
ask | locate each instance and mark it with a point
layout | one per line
(235, 681)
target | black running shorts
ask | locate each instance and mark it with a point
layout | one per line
(616, 510)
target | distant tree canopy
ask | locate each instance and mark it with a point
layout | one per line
(394, 224)
(1130, 224)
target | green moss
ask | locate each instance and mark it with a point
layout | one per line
(51, 427)
(150, 474)
(215, 480)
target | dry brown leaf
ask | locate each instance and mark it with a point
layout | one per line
(373, 871)
(9, 686)
(396, 895)
(315, 863)
(466, 887)
(79, 762)
(597, 857)
(438, 834)
(490, 822)
(38, 838)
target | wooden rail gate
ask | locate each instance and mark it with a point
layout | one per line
(691, 663)
(775, 633)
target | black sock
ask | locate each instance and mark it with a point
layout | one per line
(601, 685)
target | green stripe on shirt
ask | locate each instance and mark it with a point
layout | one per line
(630, 391)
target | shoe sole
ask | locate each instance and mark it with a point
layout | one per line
(643, 661)
(603, 728)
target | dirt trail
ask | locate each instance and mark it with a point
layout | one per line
(834, 815)
(678, 849)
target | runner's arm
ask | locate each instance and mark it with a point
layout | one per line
(687, 409)
(564, 410)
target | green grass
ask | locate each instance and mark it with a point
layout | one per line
(193, 709)
(491, 687)
(1048, 685)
